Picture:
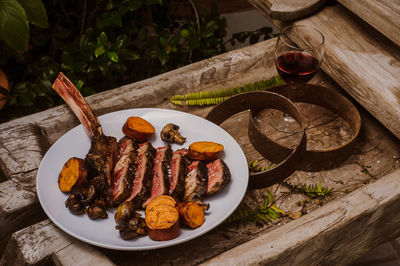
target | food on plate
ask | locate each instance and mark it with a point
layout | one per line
(128, 175)
(80, 198)
(141, 185)
(205, 150)
(178, 173)
(73, 174)
(100, 159)
(196, 183)
(162, 222)
(218, 176)
(129, 222)
(138, 129)
(161, 200)
(160, 180)
(97, 210)
(170, 134)
(124, 170)
(191, 214)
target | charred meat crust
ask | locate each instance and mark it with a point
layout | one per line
(161, 169)
(124, 170)
(178, 173)
(141, 185)
(100, 163)
(196, 182)
(218, 176)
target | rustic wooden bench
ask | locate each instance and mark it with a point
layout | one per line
(360, 214)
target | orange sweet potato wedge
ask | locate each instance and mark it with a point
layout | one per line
(73, 174)
(138, 129)
(160, 200)
(191, 214)
(162, 222)
(205, 150)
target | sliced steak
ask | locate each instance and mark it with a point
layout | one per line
(160, 181)
(178, 174)
(218, 176)
(124, 171)
(144, 172)
(196, 182)
(100, 163)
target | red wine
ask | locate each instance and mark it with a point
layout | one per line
(296, 67)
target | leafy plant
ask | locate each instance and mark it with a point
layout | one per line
(217, 96)
(262, 214)
(15, 17)
(255, 167)
(101, 45)
(312, 191)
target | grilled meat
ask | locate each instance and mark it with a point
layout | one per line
(100, 159)
(178, 174)
(218, 176)
(144, 172)
(160, 181)
(196, 182)
(124, 170)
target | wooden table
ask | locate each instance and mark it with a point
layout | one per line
(361, 213)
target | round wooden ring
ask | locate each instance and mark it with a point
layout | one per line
(257, 101)
(316, 160)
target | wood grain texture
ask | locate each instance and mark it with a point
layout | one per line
(80, 254)
(382, 15)
(38, 243)
(285, 10)
(361, 62)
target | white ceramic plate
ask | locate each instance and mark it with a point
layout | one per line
(102, 233)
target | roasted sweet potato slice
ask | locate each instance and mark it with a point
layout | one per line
(138, 129)
(205, 150)
(162, 222)
(191, 214)
(73, 174)
(160, 200)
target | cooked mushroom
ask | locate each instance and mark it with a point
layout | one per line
(124, 213)
(170, 134)
(73, 203)
(88, 195)
(97, 210)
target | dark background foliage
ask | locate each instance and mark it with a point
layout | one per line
(103, 44)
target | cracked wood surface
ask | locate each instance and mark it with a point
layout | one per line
(375, 157)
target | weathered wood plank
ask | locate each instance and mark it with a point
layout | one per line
(293, 9)
(80, 254)
(383, 15)
(34, 244)
(361, 62)
(24, 141)
(337, 233)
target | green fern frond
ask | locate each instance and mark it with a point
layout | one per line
(262, 214)
(215, 97)
(312, 191)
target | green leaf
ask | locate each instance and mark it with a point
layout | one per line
(79, 84)
(14, 28)
(185, 33)
(20, 88)
(113, 56)
(36, 12)
(99, 51)
(27, 99)
(129, 54)
(103, 39)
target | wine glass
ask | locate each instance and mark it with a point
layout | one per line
(298, 55)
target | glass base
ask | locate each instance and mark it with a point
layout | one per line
(283, 122)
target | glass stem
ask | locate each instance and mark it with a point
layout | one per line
(290, 96)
